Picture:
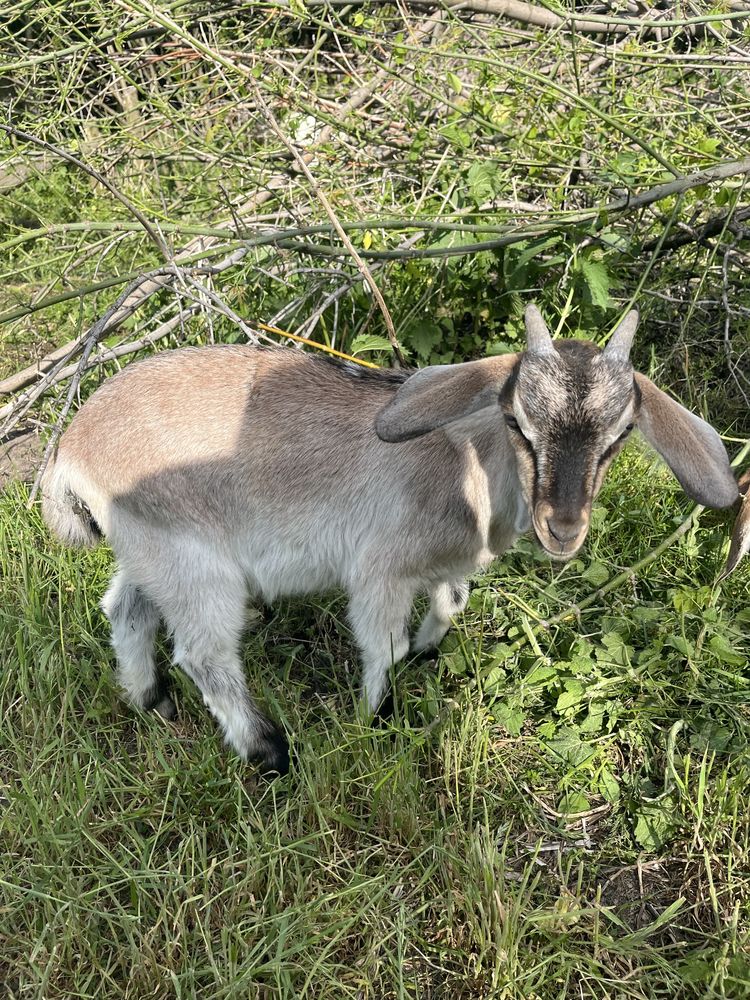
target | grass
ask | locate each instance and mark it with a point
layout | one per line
(554, 812)
(566, 820)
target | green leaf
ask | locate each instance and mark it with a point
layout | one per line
(709, 145)
(456, 136)
(541, 673)
(596, 573)
(655, 824)
(455, 662)
(608, 785)
(482, 180)
(686, 601)
(612, 238)
(509, 718)
(681, 644)
(568, 746)
(495, 679)
(423, 337)
(530, 250)
(594, 720)
(597, 281)
(614, 650)
(572, 695)
(500, 652)
(725, 652)
(573, 802)
(712, 734)
(546, 730)
(722, 196)
(369, 342)
(454, 82)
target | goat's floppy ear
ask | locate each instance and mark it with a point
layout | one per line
(438, 395)
(690, 447)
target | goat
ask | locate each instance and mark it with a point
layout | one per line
(224, 472)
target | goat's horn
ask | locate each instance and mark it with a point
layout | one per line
(618, 347)
(537, 334)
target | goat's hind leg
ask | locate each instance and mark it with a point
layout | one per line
(446, 600)
(134, 619)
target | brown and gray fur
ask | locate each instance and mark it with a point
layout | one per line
(226, 472)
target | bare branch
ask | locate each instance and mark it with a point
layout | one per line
(363, 269)
(88, 169)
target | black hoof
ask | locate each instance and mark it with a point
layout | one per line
(427, 655)
(166, 708)
(274, 757)
(158, 700)
(384, 713)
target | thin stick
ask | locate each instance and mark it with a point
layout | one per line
(542, 17)
(515, 234)
(323, 199)
(125, 306)
(247, 327)
(88, 169)
(193, 249)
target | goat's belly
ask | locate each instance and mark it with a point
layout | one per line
(277, 570)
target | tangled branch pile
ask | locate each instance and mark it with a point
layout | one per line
(226, 164)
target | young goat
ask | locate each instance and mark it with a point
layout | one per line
(222, 472)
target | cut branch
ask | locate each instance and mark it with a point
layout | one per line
(596, 24)
(363, 269)
(148, 285)
(88, 169)
(142, 290)
(716, 225)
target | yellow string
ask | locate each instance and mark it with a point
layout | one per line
(313, 343)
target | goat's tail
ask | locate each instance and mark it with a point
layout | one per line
(66, 512)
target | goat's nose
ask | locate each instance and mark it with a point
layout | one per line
(563, 531)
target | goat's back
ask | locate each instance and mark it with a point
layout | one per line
(195, 433)
(270, 456)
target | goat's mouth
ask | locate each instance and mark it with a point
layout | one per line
(559, 552)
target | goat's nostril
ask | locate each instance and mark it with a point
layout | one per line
(563, 531)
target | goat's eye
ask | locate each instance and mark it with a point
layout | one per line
(511, 421)
(625, 433)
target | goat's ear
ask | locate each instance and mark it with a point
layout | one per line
(690, 447)
(438, 395)
(740, 544)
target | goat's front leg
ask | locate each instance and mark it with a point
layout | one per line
(446, 600)
(379, 615)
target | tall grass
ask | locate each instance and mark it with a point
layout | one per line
(555, 811)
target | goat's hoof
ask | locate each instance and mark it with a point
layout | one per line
(157, 699)
(384, 712)
(273, 758)
(424, 654)
(165, 707)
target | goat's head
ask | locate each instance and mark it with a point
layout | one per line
(568, 409)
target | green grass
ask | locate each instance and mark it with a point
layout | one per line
(443, 855)
(555, 812)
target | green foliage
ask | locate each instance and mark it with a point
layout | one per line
(555, 811)
(481, 833)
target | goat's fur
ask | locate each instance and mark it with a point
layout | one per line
(226, 472)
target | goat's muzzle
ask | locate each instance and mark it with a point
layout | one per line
(560, 532)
